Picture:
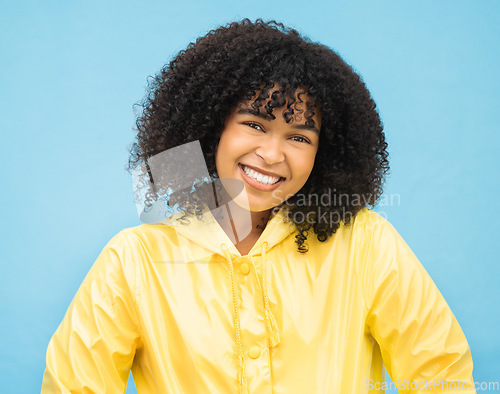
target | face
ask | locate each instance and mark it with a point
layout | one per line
(270, 157)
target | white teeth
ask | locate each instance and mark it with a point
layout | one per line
(264, 179)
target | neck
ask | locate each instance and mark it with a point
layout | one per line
(242, 226)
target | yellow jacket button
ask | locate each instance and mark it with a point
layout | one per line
(254, 352)
(245, 269)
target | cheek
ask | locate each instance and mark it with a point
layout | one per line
(304, 167)
(219, 155)
(226, 143)
(224, 154)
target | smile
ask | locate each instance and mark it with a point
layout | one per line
(261, 178)
(260, 181)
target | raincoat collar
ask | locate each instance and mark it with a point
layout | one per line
(206, 232)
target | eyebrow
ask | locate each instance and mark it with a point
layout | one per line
(248, 111)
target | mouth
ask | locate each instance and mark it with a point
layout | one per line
(259, 180)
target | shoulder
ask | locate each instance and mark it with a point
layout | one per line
(133, 246)
(369, 227)
(378, 244)
(369, 220)
(142, 235)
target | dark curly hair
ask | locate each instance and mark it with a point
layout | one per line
(192, 96)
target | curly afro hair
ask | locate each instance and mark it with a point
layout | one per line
(192, 96)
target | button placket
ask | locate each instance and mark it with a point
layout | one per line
(253, 327)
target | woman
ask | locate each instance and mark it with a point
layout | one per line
(273, 275)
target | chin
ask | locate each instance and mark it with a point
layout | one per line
(252, 206)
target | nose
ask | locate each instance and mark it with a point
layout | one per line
(271, 151)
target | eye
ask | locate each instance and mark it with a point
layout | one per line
(255, 126)
(299, 138)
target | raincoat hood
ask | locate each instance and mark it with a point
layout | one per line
(206, 232)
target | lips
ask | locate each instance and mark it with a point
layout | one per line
(260, 180)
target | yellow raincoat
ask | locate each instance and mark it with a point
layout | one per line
(187, 313)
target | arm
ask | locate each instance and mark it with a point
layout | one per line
(420, 340)
(94, 347)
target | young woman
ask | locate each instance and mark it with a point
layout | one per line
(273, 276)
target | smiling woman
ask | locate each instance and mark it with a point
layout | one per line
(271, 288)
(269, 72)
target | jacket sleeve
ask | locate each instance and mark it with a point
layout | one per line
(422, 344)
(93, 348)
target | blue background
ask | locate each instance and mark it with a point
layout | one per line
(70, 73)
